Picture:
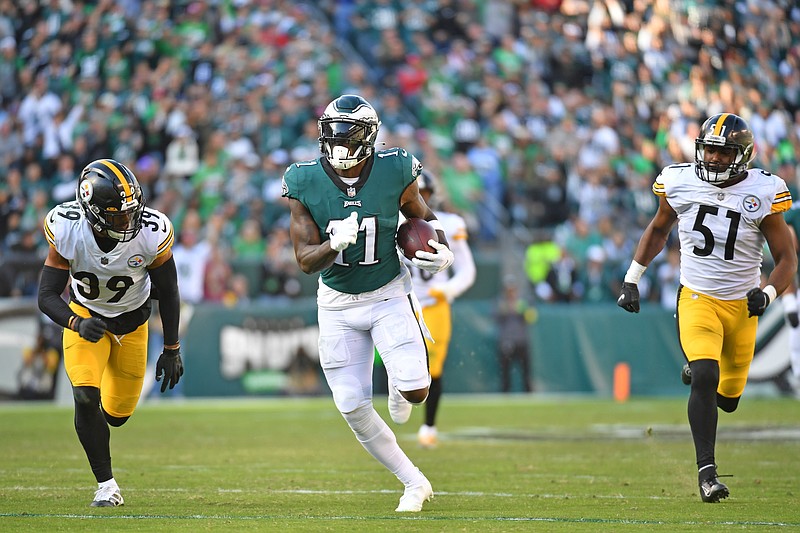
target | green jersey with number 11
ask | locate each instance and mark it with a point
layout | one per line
(372, 261)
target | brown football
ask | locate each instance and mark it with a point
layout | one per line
(413, 235)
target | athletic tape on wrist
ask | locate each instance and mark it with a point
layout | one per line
(771, 293)
(437, 225)
(634, 273)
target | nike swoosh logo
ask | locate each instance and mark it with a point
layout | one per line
(707, 491)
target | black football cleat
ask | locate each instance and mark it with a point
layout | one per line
(713, 490)
(686, 375)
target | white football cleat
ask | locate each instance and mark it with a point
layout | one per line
(427, 436)
(108, 496)
(399, 407)
(414, 497)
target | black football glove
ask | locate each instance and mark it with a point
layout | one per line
(629, 297)
(92, 329)
(170, 367)
(757, 302)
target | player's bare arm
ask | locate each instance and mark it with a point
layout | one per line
(56, 260)
(781, 246)
(655, 235)
(312, 254)
(412, 205)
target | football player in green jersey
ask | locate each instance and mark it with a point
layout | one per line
(345, 207)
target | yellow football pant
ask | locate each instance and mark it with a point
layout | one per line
(719, 330)
(437, 318)
(115, 364)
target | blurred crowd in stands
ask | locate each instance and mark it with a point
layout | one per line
(546, 119)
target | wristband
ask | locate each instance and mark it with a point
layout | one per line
(436, 224)
(634, 272)
(771, 293)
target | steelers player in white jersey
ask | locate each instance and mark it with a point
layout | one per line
(725, 212)
(435, 293)
(112, 250)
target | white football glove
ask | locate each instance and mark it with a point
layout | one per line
(344, 232)
(437, 262)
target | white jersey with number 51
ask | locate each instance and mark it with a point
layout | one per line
(721, 243)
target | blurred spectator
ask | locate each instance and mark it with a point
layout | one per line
(182, 158)
(464, 188)
(59, 131)
(39, 373)
(11, 149)
(279, 271)
(37, 110)
(64, 179)
(191, 255)
(595, 284)
(249, 245)
(513, 317)
(561, 282)
(217, 276)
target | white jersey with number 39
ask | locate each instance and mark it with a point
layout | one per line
(108, 283)
(721, 243)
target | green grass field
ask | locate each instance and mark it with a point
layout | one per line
(504, 463)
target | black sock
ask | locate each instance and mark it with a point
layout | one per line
(706, 472)
(432, 403)
(702, 409)
(93, 432)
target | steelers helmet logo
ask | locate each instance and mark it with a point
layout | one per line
(751, 203)
(86, 190)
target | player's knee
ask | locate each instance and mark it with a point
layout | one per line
(416, 396)
(728, 405)
(115, 421)
(348, 394)
(705, 374)
(86, 397)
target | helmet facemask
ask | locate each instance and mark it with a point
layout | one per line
(122, 225)
(716, 171)
(347, 131)
(113, 210)
(728, 137)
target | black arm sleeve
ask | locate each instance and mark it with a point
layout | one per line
(51, 285)
(165, 278)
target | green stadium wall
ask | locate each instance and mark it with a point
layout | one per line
(272, 349)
